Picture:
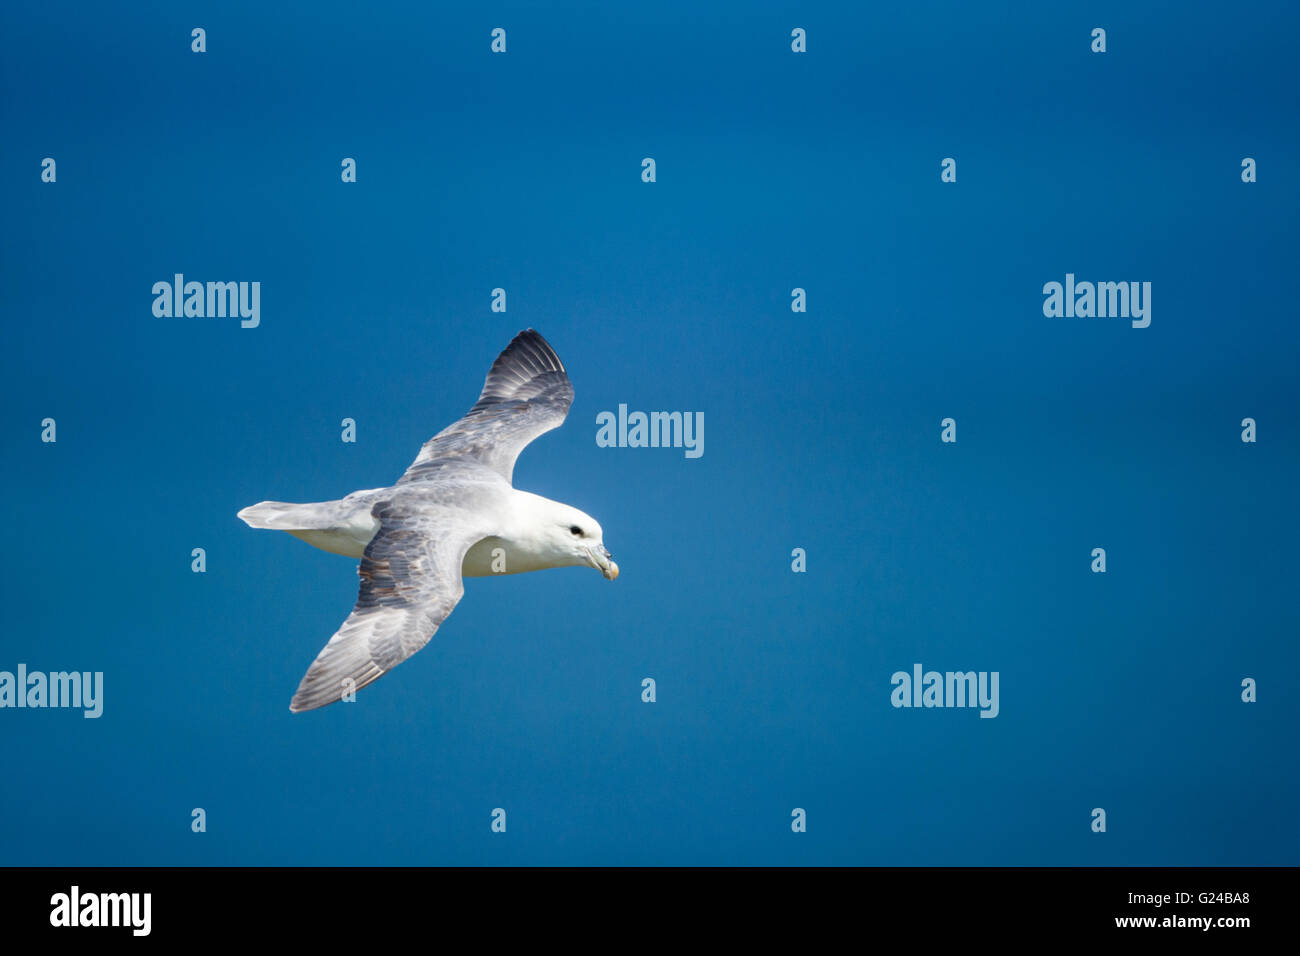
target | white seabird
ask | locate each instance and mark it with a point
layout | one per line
(444, 518)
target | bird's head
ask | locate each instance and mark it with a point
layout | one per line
(578, 537)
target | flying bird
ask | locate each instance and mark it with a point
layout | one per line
(454, 513)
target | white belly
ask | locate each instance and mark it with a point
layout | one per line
(488, 558)
(350, 542)
(495, 556)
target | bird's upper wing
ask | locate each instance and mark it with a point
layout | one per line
(410, 582)
(527, 392)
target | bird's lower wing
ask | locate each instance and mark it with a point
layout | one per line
(410, 582)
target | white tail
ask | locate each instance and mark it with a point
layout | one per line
(281, 515)
(339, 527)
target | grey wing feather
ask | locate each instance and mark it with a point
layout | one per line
(527, 393)
(410, 582)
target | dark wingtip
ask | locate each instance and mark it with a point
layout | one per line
(528, 355)
(531, 336)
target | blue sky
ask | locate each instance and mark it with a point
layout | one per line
(775, 170)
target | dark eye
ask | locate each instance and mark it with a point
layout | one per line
(574, 529)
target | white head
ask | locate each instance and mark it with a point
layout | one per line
(575, 538)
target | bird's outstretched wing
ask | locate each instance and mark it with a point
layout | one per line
(410, 582)
(527, 393)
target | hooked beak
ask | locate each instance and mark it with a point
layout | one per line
(600, 560)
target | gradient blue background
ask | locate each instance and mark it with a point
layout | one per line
(822, 430)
